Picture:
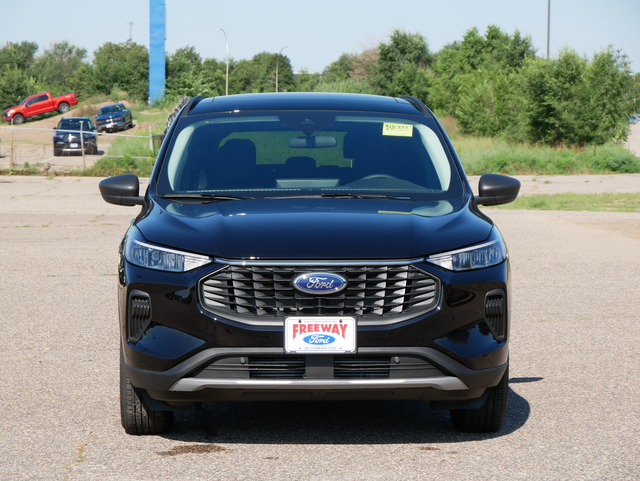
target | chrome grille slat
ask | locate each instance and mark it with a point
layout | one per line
(262, 294)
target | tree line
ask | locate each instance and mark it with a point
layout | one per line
(492, 84)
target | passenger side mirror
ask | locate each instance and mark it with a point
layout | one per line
(495, 189)
(121, 190)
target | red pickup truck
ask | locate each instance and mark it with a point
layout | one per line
(39, 104)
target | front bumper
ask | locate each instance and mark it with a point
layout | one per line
(69, 147)
(102, 126)
(196, 380)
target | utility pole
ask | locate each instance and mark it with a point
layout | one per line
(130, 30)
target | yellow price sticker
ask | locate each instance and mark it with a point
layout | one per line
(397, 130)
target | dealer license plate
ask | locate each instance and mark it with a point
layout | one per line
(319, 335)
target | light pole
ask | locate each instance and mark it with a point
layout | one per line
(226, 41)
(548, 26)
(278, 64)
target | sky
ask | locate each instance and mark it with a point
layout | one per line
(314, 34)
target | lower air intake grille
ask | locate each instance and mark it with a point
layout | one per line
(361, 367)
(276, 368)
(139, 315)
(495, 313)
(261, 294)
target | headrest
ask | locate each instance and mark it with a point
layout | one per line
(238, 151)
(300, 163)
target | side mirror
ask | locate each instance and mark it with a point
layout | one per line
(497, 189)
(121, 190)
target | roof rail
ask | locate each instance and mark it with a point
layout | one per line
(191, 104)
(417, 103)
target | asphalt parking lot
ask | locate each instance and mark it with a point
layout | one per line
(574, 410)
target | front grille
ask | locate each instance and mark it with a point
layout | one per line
(262, 294)
(139, 315)
(495, 313)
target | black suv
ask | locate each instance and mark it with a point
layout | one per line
(311, 246)
(73, 134)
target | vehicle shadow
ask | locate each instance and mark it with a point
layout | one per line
(333, 422)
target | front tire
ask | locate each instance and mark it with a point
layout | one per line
(18, 119)
(135, 416)
(490, 417)
(63, 108)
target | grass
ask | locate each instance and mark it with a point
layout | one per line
(482, 155)
(607, 202)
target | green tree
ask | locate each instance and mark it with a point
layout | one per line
(405, 52)
(350, 85)
(610, 97)
(571, 101)
(191, 83)
(259, 74)
(495, 52)
(486, 105)
(551, 89)
(215, 73)
(341, 69)
(186, 76)
(122, 66)
(306, 82)
(15, 85)
(81, 81)
(57, 64)
(17, 56)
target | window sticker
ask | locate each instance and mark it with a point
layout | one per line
(397, 130)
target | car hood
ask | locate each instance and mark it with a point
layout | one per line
(303, 228)
(64, 135)
(108, 116)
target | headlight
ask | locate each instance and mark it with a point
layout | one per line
(487, 254)
(160, 258)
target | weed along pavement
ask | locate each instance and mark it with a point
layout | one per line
(573, 410)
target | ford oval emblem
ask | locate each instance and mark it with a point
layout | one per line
(322, 339)
(319, 283)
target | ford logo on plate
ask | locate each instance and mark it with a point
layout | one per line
(319, 283)
(319, 339)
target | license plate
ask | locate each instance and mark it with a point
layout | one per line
(73, 146)
(319, 335)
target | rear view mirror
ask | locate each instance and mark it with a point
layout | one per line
(312, 142)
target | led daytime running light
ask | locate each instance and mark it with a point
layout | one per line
(477, 257)
(153, 257)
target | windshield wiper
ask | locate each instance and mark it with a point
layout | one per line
(342, 196)
(366, 196)
(203, 197)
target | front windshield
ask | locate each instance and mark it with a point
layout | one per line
(111, 109)
(69, 124)
(298, 153)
